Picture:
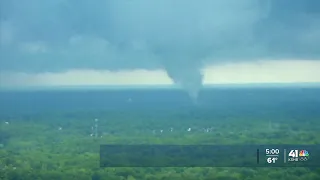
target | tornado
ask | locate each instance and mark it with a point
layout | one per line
(187, 74)
(181, 37)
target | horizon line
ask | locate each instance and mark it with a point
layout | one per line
(162, 86)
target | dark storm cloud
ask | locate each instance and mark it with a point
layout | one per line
(180, 36)
(146, 34)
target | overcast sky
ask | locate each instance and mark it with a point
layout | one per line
(188, 42)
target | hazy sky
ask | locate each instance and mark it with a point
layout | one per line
(232, 73)
(188, 42)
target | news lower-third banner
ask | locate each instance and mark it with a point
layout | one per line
(210, 156)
